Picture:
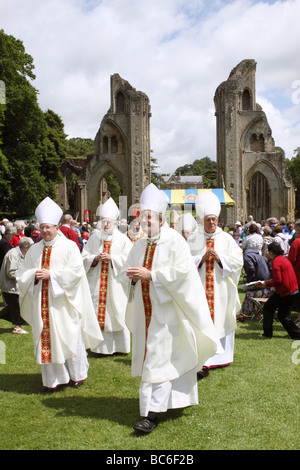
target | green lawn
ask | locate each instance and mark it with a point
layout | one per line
(252, 404)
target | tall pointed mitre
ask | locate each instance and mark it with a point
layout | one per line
(153, 199)
(187, 222)
(109, 210)
(207, 203)
(48, 212)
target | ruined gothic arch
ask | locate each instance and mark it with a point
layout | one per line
(121, 147)
(261, 179)
(94, 196)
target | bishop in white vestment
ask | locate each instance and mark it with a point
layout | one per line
(104, 256)
(172, 331)
(55, 301)
(219, 261)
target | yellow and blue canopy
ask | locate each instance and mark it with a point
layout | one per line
(188, 196)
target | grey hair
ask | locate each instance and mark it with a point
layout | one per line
(297, 224)
(25, 242)
(19, 223)
(10, 229)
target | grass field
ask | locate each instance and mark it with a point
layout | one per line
(252, 404)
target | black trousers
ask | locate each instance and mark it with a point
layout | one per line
(284, 306)
(12, 310)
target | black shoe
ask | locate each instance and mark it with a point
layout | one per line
(52, 390)
(146, 425)
(75, 384)
(202, 373)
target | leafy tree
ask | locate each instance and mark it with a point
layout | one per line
(204, 167)
(79, 147)
(31, 141)
(113, 186)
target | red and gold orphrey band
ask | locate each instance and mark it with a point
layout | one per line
(45, 335)
(209, 279)
(148, 259)
(103, 286)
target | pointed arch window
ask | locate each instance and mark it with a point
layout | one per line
(120, 102)
(246, 100)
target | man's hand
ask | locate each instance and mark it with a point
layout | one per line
(139, 273)
(42, 274)
(102, 257)
(210, 253)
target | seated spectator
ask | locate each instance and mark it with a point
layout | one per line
(257, 268)
(253, 240)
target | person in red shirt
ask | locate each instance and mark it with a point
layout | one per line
(20, 226)
(285, 283)
(66, 229)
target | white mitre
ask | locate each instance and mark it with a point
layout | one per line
(153, 199)
(109, 210)
(187, 222)
(207, 203)
(48, 212)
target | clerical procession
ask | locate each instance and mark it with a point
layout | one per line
(149, 227)
(169, 297)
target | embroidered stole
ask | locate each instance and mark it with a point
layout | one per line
(136, 238)
(209, 279)
(148, 259)
(103, 286)
(45, 335)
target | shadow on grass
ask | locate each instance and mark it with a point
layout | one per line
(21, 383)
(250, 329)
(124, 411)
(9, 329)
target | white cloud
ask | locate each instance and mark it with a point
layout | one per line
(177, 52)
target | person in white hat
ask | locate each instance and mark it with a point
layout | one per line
(56, 303)
(187, 225)
(172, 332)
(219, 261)
(104, 256)
(238, 232)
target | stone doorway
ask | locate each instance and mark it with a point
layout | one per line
(258, 197)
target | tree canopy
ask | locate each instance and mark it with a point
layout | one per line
(204, 167)
(32, 142)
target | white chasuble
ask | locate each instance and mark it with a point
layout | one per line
(109, 293)
(220, 282)
(61, 310)
(180, 335)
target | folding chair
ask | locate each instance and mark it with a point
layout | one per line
(259, 302)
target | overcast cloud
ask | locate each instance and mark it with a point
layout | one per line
(175, 51)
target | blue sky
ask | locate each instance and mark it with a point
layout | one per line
(175, 51)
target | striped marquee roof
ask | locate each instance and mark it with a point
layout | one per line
(188, 196)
